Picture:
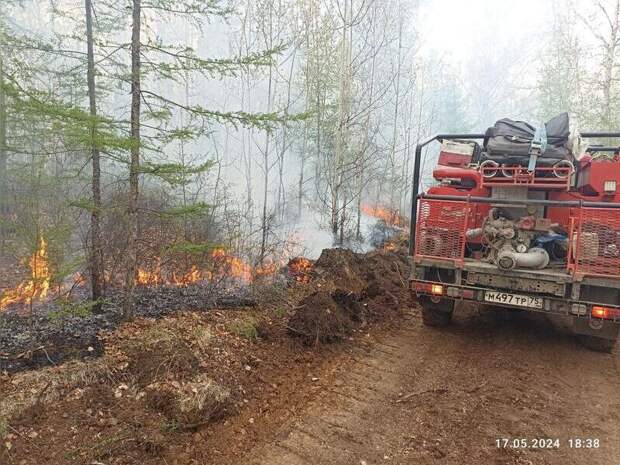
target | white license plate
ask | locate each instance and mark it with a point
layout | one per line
(513, 299)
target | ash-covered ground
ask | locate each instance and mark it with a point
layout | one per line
(55, 333)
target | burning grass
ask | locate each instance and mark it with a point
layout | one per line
(301, 269)
(35, 288)
(220, 266)
(390, 216)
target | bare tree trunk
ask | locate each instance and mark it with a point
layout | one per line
(343, 218)
(343, 110)
(304, 147)
(302, 166)
(609, 64)
(96, 249)
(282, 157)
(4, 208)
(263, 243)
(132, 204)
(393, 176)
(266, 167)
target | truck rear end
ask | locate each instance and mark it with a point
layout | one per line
(531, 227)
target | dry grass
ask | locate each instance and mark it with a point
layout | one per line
(4, 427)
(192, 403)
(203, 338)
(48, 385)
(202, 399)
(166, 352)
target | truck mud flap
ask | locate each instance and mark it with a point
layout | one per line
(595, 327)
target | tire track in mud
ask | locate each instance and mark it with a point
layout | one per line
(427, 396)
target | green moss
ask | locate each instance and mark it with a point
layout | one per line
(246, 328)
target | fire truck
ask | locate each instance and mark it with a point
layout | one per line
(521, 217)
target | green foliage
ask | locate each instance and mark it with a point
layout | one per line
(70, 121)
(193, 8)
(85, 204)
(73, 309)
(182, 60)
(175, 173)
(68, 266)
(280, 312)
(246, 328)
(4, 427)
(192, 210)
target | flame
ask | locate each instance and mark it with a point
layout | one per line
(225, 266)
(194, 275)
(150, 277)
(266, 269)
(389, 246)
(300, 268)
(231, 266)
(155, 276)
(391, 217)
(37, 287)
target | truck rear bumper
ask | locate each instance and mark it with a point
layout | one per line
(581, 312)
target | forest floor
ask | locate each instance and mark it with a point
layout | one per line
(257, 385)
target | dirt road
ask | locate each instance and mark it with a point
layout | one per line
(426, 396)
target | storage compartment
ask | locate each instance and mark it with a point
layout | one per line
(457, 153)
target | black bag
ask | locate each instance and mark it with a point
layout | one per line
(509, 140)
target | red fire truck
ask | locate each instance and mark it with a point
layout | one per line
(521, 217)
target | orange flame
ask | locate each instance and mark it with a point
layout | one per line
(225, 265)
(232, 266)
(155, 276)
(193, 276)
(389, 246)
(391, 217)
(150, 277)
(35, 288)
(300, 268)
(266, 269)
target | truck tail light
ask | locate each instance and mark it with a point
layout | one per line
(437, 289)
(605, 313)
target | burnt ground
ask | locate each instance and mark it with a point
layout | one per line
(386, 390)
(54, 333)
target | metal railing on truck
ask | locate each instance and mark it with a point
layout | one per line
(439, 222)
(593, 236)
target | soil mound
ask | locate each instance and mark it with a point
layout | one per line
(342, 268)
(352, 289)
(324, 316)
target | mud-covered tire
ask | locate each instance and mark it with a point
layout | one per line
(436, 314)
(597, 344)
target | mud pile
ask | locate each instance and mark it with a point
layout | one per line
(351, 290)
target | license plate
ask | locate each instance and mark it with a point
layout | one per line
(513, 299)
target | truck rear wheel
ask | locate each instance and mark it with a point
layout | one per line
(436, 314)
(597, 344)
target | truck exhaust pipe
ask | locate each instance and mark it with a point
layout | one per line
(509, 259)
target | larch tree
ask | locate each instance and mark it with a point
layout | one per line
(96, 264)
(173, 63)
